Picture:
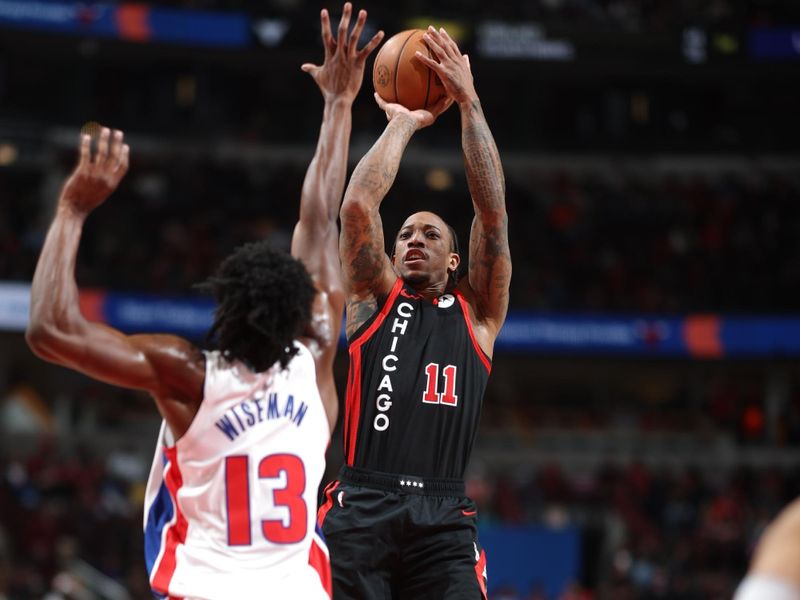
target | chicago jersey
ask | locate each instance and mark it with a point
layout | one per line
(230, 507)
(415, 387)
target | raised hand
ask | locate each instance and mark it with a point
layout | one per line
(451, 66)
(342, 72)
(421, 117)
(96, 177)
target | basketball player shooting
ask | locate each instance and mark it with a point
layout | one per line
(230, 503)
(397, 520)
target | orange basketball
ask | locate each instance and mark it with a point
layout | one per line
(398, 76)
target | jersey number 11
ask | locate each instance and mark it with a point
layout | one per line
(431, 395)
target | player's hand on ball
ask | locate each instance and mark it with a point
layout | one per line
(452, 67)
(342, 72)
(421, 117)
(98, 175)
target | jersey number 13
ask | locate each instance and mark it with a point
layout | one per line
(237, 499)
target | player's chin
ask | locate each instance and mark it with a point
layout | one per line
(414, 276)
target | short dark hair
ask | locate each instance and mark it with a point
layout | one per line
(453, 248)
(264, 300)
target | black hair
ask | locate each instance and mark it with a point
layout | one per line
(453, 275)
(264, 300)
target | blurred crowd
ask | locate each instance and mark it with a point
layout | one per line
(71, 525)
(678, 534)
(654, 521)
(581, 242)
(750, 407)
(70, 529)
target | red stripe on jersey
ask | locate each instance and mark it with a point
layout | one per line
(353, 399)
(352, 412)
(480, 568)
(328, 493)
(387, 306)
(176, 534)
(478, 349)
(321, 563)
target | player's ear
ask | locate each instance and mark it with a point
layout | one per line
(453, 263)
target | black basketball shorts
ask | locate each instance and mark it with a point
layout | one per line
(396, 537)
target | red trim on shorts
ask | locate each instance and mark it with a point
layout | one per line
(328, 493)
(320, 561)
(480, 567)
(465, 311)
(353, 398)
(176, 533)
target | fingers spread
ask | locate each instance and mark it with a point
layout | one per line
(427, 60)
(356, 33)
(434, 45)
(102, 146)
(327, 36)
(124, 160)
(448, 44)
(373, 43)
(344, 24)
(85, 150)
(115, 149)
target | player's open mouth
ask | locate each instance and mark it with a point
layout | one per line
(414, 256)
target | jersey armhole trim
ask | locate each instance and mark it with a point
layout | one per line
(487, 362)
(362, 336)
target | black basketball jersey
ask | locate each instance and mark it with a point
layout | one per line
(415, 387)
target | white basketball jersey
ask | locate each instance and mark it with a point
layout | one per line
(230, 508)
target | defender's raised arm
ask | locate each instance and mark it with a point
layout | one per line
(316, 234)
(58, 331)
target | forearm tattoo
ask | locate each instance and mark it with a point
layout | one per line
(361, 241)
(490, 258)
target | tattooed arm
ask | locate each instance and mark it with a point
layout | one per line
(489, 255)
(368, 273)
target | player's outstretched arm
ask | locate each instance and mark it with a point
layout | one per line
(489, 254)
(166, 366)
(316, 235)
(368, 273)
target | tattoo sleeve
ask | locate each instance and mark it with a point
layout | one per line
(365, 266)
(489, 254)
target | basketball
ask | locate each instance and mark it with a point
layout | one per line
(398, 76)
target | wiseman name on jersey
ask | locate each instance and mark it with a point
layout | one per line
(257, 410)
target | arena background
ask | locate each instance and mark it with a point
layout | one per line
(642, 421)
